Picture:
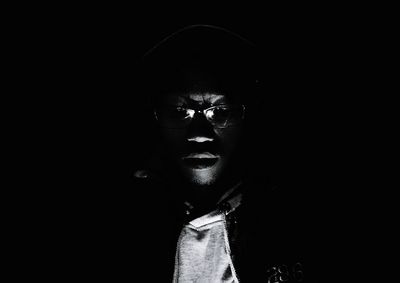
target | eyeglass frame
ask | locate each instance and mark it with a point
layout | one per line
(203, 111)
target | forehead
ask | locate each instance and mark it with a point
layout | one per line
(200, 98)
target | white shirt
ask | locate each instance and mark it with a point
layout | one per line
(203, 253)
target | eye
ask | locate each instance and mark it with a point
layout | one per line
(220, 113)
(179, 113)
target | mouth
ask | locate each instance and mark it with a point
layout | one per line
(200, 160)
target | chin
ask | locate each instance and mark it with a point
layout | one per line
(204, 177)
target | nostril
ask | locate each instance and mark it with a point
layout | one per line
(200, 139)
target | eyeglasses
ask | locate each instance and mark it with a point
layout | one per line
(220, 116)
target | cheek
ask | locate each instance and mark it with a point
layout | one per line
(173, 138)
(229, 137)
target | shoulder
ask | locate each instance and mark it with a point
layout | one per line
(276, 233)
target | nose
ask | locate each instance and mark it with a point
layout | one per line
(200, 130)
(200, 139)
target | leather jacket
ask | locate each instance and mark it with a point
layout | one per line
(267, 234)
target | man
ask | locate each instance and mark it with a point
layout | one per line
(214, 216)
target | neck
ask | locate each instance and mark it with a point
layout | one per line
(205, 198)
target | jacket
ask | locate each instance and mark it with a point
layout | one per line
(268, 233)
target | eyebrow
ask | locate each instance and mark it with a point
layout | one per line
(214, 98)
(218, 99)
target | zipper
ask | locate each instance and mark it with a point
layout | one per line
(228, 249)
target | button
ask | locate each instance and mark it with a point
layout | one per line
(225, 207)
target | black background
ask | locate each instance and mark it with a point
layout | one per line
(88, 132)
(95, 63)
(315, 65)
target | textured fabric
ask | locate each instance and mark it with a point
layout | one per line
(203, 252)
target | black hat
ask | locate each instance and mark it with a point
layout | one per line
(202, 58)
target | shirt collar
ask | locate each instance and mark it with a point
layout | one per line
(226, 204)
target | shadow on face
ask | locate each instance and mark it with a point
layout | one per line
(201, 133)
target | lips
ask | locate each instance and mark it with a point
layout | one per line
(201, 155)
(202, 160)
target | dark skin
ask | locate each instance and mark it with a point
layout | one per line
(203, 187)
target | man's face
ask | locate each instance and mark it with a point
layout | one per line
(200, 150)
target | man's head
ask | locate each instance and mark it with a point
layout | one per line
(201, 131)
(200, 79)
